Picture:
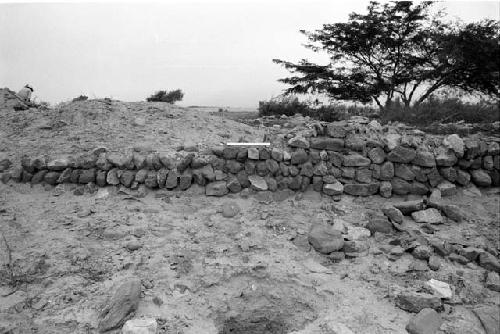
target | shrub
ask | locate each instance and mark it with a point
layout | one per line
(443, 109)
(81, 98)
(288, 106)
(164, 96)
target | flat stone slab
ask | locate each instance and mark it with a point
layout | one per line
(430, 216)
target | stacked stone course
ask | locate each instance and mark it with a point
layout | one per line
(334, 160)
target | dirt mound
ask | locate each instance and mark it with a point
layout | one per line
(119, 126)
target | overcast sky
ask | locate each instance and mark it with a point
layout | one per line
(218, 52)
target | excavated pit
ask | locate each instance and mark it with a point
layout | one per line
(257, 322)
(269, 308)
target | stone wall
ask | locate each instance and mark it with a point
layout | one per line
(333, 159)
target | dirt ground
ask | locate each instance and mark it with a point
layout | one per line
(119, 126)
(201, 272)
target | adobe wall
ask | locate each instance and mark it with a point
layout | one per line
(332, 158)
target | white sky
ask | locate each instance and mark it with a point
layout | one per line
(218, 52)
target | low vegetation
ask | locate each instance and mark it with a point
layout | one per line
(436, 109)
(289, 106)
(443, 110)
(164, 96)
(81, 98)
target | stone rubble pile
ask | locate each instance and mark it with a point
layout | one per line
(399, 240)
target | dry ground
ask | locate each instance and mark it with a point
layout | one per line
(82, 126)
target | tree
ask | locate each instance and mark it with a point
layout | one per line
(164, 96)
(397, 50)
(473, 54)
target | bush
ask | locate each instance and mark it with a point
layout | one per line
(290, 106)
(164, 96)
(443, 110)
(81, 98)
(439, 108)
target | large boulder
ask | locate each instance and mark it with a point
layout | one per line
(122, 161)
(354, 142)
(385, 189)
(401, 154)
(87, 176)
(185, 180)
(361, 189)
(489, 262)
(463, 178)
(140, 326)
(325, 143)
(418, 188)
(336, 130)
(298, 141)
(325, 239)
(430, 216)
(379, 224)
(356, 160)
(377, 155)
(488, 163)
(493, 148)
(405, 172)
(218, 188)
(447, 188)
(364, 175)
(427, 321)
(472, 148)
(333, 189)
(59, 164)
(449, 173)
(400, 186)
(445, 157)
(455, 143)
(233, 184)
(393, 140)
(451, 211)
(151, 180)
(172, 179)
(299, 156)
(424, 159)
(112, 177)
(416, 302)
(480, 178)
(387, 171)
(408, 207)
(392, 213)
(489, 315)
(120, 305)
(257, 182)
(233, 166)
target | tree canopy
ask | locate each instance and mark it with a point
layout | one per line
(398, 50)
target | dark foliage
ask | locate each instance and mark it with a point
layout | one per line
(164, 96)
(442, 110)
(397, 50)
(287, 106)
(290, 106)
(81, 98)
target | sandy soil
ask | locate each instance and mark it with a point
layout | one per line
(199, 270)
(82, 126)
